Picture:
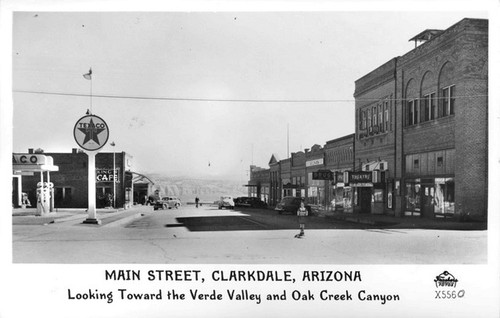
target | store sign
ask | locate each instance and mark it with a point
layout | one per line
(29, 159)
(315, 162)
(340, 177)
(107, 175)
(360, 177)
(91, 132)
(322, 175)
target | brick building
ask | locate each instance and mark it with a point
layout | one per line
(295, 176)
(339, 158)
(421, 135)
(417, 113)
(316, 189)
(71, 180)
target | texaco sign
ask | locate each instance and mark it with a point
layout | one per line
(91, 132)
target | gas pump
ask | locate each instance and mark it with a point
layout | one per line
(43, 198)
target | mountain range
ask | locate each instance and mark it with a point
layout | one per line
(187, 189)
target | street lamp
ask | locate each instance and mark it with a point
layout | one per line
(114, 175)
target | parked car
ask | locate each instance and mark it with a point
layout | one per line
(254, 202)
(291, 205)
(226, 202)
(241, 201)
(159, 204)
(172, 202)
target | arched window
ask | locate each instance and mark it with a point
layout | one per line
(428, 109)
(447, 92)
(411, 105)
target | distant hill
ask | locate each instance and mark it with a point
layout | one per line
(187, 189)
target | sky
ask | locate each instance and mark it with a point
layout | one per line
(201, 94)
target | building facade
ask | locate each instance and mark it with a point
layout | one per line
(339, 158)
(114, 181)
(417, 113)
(421, 136)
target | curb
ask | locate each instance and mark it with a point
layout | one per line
(123, 220)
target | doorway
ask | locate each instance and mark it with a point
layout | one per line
(365, 200)
(427, 202)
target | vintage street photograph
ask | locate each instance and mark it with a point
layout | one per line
(240, 137)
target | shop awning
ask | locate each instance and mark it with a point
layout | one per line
(250, 185)
(140, 178)
(361, 185)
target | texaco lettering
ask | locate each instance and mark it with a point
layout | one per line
(91, 132)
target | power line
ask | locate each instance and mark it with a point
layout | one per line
(238, 100)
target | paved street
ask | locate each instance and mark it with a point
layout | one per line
(207, 235)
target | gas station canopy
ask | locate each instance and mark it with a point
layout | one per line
(28, 164)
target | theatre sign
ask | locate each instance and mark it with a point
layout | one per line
(360, 178)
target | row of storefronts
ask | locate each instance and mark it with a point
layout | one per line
(420, 141)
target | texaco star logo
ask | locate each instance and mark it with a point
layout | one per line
(91, 132)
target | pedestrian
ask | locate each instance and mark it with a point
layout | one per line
(197, 200)
(302, 213)
(25, 202)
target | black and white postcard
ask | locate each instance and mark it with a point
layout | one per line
(249, 159)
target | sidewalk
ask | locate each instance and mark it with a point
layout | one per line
(405, 222)
(117, 217)
(106, 216)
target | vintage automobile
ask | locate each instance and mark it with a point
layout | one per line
(291, 205)
(241, 201)
(256, 202)
(172, 202)
(226, 202)
(251, 202)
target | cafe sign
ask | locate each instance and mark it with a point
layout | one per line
(107, 175)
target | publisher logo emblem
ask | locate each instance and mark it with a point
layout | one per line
(445, 284)
(445, 279)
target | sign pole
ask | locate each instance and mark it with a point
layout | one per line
(91, 133)
(92, 213)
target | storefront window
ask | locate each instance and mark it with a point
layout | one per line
(264, 194)
(412, 196)
(347, 198)
(378, 195)
(444, 196)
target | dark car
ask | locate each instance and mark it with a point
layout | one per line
(251, 202)
(256, 202)
(291, 205)
(241, 201)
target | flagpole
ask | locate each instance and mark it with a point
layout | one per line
(91, 94)
(288, 140)
(88, 76)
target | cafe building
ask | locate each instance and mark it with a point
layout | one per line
(114, 180)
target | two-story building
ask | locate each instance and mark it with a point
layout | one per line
(422, 119)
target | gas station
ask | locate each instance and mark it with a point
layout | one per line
(24, 164)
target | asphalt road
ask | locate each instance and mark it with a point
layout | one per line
(208, 218)
(208, 235)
